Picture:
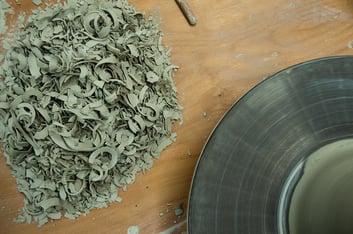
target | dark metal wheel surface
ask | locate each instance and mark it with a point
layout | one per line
(239, 177)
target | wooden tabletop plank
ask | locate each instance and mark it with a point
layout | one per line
(234, 46)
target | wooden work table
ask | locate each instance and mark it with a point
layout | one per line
(234, 46)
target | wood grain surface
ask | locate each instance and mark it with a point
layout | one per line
(234, 46)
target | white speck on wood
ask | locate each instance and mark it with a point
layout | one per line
(275, 54)
(239, 56)
(350, 44)
(133, 230)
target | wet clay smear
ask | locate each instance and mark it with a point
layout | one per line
(87, 100)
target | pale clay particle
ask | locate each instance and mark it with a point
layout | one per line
(275, 54)
(5, 9)
(239, 56)
(37, 2)
(178, 210)
(350, 44)
(133, 230)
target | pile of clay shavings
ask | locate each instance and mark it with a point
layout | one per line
(87, 100)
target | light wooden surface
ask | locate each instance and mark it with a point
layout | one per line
(235, 45)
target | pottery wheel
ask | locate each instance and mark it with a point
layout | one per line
(246, 161)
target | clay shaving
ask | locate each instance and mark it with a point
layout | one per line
(87, 100)
(5, 8)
